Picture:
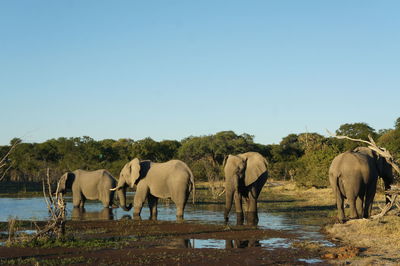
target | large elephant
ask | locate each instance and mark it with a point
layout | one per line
(172, 179)
(91, 185)
(245, 175)
(353, 175)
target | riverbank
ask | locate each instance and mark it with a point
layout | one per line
(361, 241)
(198, 242)
(158, 242)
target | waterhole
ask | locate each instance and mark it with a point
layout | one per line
(306, 223)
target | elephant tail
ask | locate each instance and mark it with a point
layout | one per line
(193, 185)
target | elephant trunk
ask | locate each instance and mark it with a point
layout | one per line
(122, 199)
(228, 203)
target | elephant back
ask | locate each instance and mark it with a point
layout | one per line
(256, 166)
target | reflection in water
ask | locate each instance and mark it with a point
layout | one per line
(270, 243)
(242, 243)
(305, 223)
(82, 214)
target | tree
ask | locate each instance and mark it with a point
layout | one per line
(5, 152)
(397, 124)
(357, 131)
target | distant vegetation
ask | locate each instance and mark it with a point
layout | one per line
(304, 157)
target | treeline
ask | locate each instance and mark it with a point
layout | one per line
(304, 158)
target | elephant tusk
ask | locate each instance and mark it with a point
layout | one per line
(113, 189)
(220, 194)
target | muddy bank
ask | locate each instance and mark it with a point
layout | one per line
(167, 243)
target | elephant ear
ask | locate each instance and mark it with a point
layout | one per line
(70, 180)
(66, 181)
(255, 167)
(134, 171)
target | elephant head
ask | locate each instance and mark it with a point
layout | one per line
(384, 164)
(65, 182)
(235, 169)
(129, 176)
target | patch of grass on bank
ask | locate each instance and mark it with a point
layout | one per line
(36, 261)
(74, 243)
(383, 233)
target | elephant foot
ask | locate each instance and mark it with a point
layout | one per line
(153, 218)
(341, 220)
(226, 215)
(136, 217)
(226, 219)
(179, 218)
(252, 218)
(239, 218)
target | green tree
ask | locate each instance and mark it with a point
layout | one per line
(357, 131)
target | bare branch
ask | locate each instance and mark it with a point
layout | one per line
(373, 146)
(346, 137)
(2, 161)
(5, 172)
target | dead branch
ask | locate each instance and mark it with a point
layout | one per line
(56, 206)
(386, 208)
(392, 195)
(373, 146)
(2, 161)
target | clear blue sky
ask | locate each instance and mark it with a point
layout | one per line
(170, 69)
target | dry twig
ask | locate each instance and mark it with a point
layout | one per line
(373, 146)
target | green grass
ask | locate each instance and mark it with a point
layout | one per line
(74, 243)
(36, 261)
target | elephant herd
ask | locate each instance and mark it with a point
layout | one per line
(353, 176)
(245, 175)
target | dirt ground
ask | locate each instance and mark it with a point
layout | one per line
(161, 243)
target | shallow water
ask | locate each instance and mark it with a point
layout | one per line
(304, 223)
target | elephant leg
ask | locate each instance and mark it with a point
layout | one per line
(83, 200)
(353, 209)
(111, 200)
(360, 206)
(340, 206)
(152, 206)
(78, 200)
(228, 204)
(105, 199)
(251, 215)
(369, 199)
(180, 202)
(141, 194)
(239, 208)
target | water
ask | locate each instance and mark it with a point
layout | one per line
(304, 223)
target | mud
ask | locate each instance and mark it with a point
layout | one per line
(169, 243)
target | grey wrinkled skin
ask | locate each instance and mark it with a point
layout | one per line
(353, 175)
(89, 185)
(172, 179)
(245, 175)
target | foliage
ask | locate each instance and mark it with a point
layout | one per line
(357, 131)
(304, 157)
(313, 167)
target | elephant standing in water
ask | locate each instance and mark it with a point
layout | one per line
(354, 175)
(245, 175)
(91, 185)
(172, 179)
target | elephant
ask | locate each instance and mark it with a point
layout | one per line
(245, 175)
(353, 175)
(172, 179)
(91, 185)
